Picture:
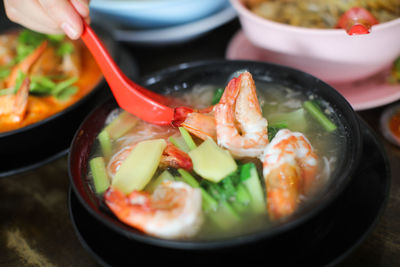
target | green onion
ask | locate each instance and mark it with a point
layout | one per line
(63, 85)
(188, 178)
(67, 93)
(55, 37)
(19, 80)
(7, 91)
(188, 139)
(217, 96)
(65, 49)
(179, 143)
(100, 178)
(105, 143)
(4, 73)
(317, 113)
(245, 171)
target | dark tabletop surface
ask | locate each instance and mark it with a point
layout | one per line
(35, 227)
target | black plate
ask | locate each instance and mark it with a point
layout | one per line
(351, 218)
(37, 144)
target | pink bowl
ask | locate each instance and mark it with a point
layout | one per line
(330, 54)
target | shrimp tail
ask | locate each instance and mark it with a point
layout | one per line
(176, 158)
(180, 115)
(21, 100)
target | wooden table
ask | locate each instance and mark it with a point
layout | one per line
(35, 228)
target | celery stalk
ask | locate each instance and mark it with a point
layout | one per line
(100, 177)
(105, 143)
(317, 113)
(188, 139)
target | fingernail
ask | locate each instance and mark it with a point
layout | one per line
(69, 30)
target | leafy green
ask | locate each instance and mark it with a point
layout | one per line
(66, 93)
(18, 82)
(315, 111)
(65, 49)
(217, 96)
(7, 91)
(274, 129)
(4, 72)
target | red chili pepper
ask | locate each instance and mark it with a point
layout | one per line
(356, 20)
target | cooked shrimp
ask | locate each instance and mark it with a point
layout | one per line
(289, 169)
(13, 106)
(240, 125)
(25, 64)
(172, 156)
(172, 211)
(200, 123)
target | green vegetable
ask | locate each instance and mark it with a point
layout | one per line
(243, 198)
(105, 143)
(20, 79)
(100, 178)
(7, 91)
(63, 85)
(217, 96)
(67, 93)
(294, 120)
(179, 143)
(121, 125)
(164, 176)
(65, 49)
(28, 40)
(188, 139)
(209, 203)
(4, 73)
(55, 37)
(137, 170)
(250, 179)
(274, 129)
(188, 178)
(395, 77)
(317, 114)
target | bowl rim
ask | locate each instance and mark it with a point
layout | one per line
(222, 243)
(246, 13)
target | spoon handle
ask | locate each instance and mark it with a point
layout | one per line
(129, 95)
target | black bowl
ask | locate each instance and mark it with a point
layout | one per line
(31, 146)
(217, 73)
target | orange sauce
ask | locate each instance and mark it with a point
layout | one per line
(394, 124)
(40, 107)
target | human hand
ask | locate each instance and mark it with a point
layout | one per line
(49, 16)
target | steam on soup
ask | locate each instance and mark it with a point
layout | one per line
(251, 160)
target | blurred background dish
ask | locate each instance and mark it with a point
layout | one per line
(160, 22)
(364, 94)
(35, 144)
(153, 13)
(330, 54)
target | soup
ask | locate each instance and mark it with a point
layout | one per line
(214, 175)
(41, 75)
(320, 13)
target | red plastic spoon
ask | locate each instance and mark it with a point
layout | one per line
(130, 96)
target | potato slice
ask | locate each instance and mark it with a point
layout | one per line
(139, 167)
(212, 162)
